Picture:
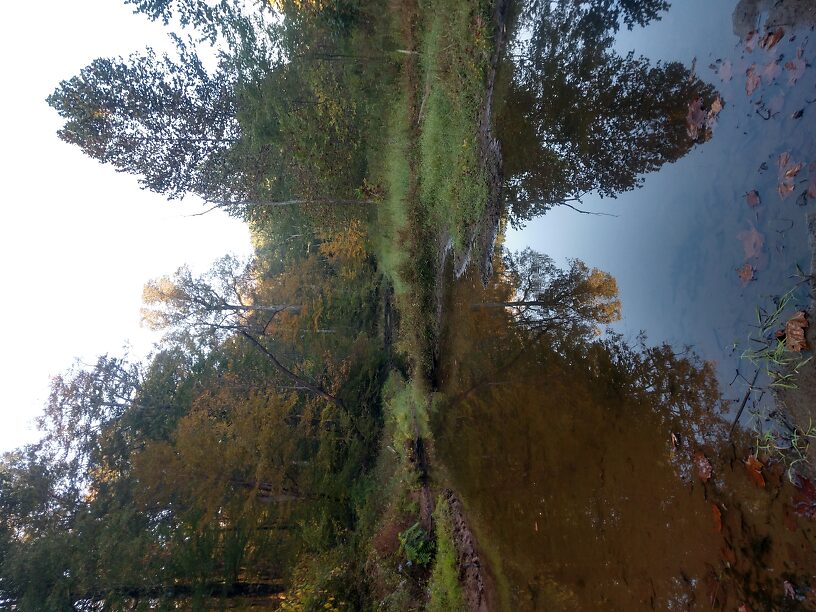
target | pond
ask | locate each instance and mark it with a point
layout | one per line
(648, 452)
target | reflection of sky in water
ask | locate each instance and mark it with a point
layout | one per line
(674, 247)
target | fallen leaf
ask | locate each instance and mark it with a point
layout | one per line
(715, 510)
(752, 242)
(751, 40)
(792, 170)
(752, 81)
(754, 467)
(726, 71)
(787, 172)
(744, 608)
(795, 332)
(802, 199)
(746, 273)
(675, 440)
(703, 466)
(770, 71)
(798, 114)
(770, 39)
(795, 67)
(752, 198)
(716, 107)
(790, 592)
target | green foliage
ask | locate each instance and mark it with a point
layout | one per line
(416, 545)
(445, 590)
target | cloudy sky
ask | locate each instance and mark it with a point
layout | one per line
(77, 240)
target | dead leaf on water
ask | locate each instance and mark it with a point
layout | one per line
(752, 198)
(796, 67)
(703, 466)
(752, 242)
(798, 114)
(746, 273)
(754, 468)
(751, 40)
(770, 39)
(770, 71)
(725, 71)
(795, 332)
(752, 79)
(787, 173)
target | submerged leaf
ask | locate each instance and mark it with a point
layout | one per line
(795, 332)
(746, 273)
(795, 67)
(752, 80)
(770, 71)
(752, 198)
(754, 467)
(770, 39)
(752, 242)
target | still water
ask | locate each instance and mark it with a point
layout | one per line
(602, 471)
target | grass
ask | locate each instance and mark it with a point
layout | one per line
(445, 590)
(455, 57)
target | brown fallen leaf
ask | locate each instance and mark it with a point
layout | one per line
(787, 172)
(752, 242)
(752, 79)
(795, 332)
(795, 67)
(751, 40)
(744, 608)
(792, 170)
(770, 39)
(754, 468)
(715, 511)
(726, 71)
(746, 273)
(770, 71)
(703, 466)
(752, 198)
(790, 592)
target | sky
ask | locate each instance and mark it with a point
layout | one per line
(77, 239)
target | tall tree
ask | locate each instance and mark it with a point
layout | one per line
(586, 118)
(562, 302)
(169, 121)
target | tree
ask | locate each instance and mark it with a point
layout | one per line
(551, 299)
(583, 117)
(221, 302)
(168, 121)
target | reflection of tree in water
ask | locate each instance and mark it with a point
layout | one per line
(578, 456)
(578, 116)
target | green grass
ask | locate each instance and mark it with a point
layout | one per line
(455, 55)
(445, 590)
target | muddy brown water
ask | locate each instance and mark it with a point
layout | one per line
(600, 472)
